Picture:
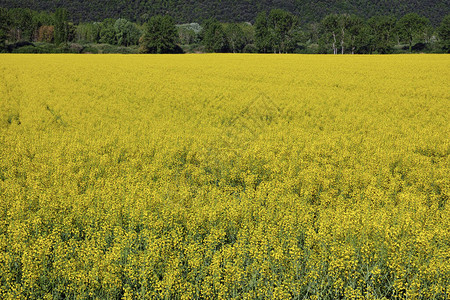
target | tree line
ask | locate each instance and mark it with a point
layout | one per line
(275, 31)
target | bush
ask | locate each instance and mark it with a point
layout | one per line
(111, 49)
(126, 50)
(250, 48)
(90, 49)
(12, 47)
(28, 49)
(76, 48)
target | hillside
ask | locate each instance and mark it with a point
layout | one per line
(232, 10)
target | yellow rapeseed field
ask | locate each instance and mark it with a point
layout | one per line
(224, 176)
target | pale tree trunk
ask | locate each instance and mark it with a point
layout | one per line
(334, 44)
(342, 40)
(353, 44)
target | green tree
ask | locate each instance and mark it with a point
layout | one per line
(186, 35)
(355, 33)
(262, 37)
(410, 26)
(88, 32)
(365, 41)
(126, 32)
(249, 33)
(4, 25)
(213, 36)
(444, 33)
(382, 29)
(21, 24)
(160, 36)
(107, 32)
(282, 29)
(343, 26)
(329, 28)
(312, 33)
(61, 26)
(235, 37)
(347, 31)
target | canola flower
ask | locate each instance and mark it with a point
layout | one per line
(224, 176)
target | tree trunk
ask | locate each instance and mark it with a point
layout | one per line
(334, 44)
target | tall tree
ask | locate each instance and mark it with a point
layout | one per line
(160, 36)
(4, 25)
(355, 37)
(249, 33)
(21, 24)
(382, 29)
(235, 37)
(126, 32)
(188, 33)
(330, 30)
(262, 38)
(444, 33)
(88, 32)
(213, 36)
(343, 25)
(312, 33)
(364, 40)
(107, 32)
(411, 26)
(282, 29)
(61, 26)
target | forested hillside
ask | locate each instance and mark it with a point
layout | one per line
(232, 10)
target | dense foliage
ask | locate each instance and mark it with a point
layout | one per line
(232, 10)
(224, 176)
(411, 25)
(160, 36)
(4, 26)
(277, 31)
(213, 36)
(444, 33)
